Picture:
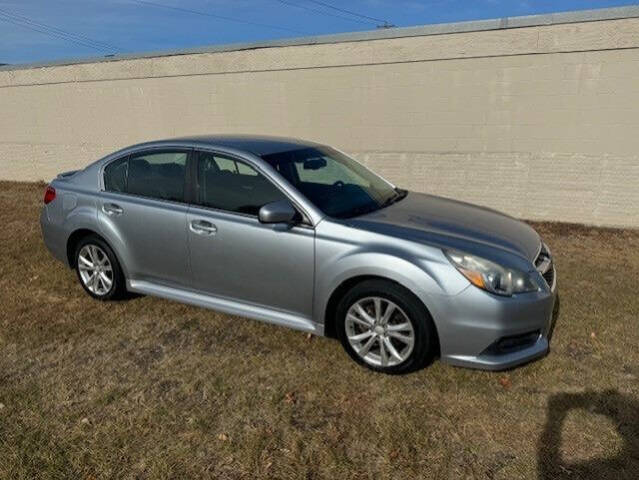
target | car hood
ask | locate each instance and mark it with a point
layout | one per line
(452, 224)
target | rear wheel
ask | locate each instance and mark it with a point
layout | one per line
(98, 269)
(385, 327)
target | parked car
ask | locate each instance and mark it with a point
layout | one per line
(299, 234)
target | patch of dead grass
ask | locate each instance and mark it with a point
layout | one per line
(149, 388)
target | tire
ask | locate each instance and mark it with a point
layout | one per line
(406, 307)
(89, 248)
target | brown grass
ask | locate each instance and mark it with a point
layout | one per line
(148, 388)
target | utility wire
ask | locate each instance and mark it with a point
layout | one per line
(26, 22)
(60, 31)
(385, 23)
(321, 12)
(214, 15)
(52, 34)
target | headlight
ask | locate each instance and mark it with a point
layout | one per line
(490, 276)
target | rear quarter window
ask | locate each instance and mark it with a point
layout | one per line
(115, 175)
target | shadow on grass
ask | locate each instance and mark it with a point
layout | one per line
(624, 413)
(128, 296)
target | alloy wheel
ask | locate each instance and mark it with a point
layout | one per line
(96, 271)
(379, 331)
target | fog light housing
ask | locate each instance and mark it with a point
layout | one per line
(514, 343)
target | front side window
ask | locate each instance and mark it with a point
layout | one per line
(157, 175)
(228, 184)
(333, 182)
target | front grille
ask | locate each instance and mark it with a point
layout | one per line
(544, 265)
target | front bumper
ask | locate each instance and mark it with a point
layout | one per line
(480, 330)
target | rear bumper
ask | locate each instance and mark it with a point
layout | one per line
(54, 237)
(480, 330)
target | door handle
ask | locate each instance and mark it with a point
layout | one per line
(112, 209)
(202, 227)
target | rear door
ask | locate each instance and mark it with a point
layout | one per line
(235, 256)
(143, 211)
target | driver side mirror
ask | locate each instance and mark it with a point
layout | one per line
(277, 212)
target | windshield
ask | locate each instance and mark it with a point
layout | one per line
(336, 184)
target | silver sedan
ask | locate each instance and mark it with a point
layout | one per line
(299, 234)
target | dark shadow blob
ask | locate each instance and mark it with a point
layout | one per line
(624, 413)
(127, 297)
(555, 316)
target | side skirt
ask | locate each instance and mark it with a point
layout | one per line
(226, 305)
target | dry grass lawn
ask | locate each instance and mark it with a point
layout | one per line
(148, 388)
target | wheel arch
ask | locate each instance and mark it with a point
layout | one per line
(338, 293)
(77, 236)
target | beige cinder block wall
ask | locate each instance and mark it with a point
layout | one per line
(540, 121)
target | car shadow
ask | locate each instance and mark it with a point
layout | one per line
(127, 297)
(624, 413)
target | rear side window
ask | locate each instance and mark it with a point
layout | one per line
(158, 175)
(115, 175)
(227, 184)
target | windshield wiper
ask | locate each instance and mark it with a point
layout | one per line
(399, 195)
(372, 207)
(360, 210)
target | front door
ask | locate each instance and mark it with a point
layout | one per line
(235, 256)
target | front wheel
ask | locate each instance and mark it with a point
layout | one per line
(385, 327)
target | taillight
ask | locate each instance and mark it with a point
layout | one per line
(49, 195)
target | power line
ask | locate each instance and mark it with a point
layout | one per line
(385, 23)
(214, 15)
(51, 34)
(60, 31)
(321, 12)
(35, 29)
(56, 32)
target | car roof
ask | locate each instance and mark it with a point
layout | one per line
(256, 144)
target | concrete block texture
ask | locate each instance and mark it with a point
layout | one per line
(539, 121)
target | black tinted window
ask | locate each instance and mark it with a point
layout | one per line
(157, 175)
(115, 176)
(228, 184)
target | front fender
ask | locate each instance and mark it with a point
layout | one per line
(424, 271)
